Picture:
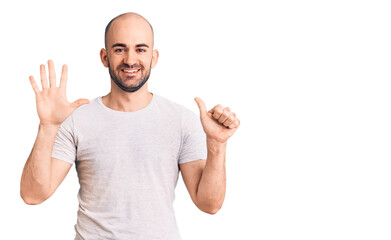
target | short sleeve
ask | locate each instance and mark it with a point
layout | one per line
(193, 145)
(64, 146)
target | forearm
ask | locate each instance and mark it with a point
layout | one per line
(35, 180)
(212, 186)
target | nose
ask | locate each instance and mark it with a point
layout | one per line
(131, 58)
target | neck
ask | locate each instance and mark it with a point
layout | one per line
(123, 101)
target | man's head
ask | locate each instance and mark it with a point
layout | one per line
(129, 53)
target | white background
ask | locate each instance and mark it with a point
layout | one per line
(310, 81)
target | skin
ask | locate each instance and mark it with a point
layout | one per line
(130, 47)
(129, 43)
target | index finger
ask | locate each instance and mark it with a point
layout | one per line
(216, 111)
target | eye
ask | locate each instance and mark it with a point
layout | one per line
(141, 50)
(119, 50)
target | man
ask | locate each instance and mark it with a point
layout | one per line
(128, 146)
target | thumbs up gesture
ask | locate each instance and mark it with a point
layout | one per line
(219, 123)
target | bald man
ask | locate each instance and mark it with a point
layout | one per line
(128, 146)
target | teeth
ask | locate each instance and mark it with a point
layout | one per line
(130, 71)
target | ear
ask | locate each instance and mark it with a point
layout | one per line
(103, 57)
(155, 57)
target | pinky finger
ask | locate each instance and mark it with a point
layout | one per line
(234, 124)
(34, 85)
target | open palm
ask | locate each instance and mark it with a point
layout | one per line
(52, 104)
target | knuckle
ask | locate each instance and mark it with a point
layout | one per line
(225, 114)
(218, 107)
(228, 121)
(219, 110)
(236, 124)
(216, 114)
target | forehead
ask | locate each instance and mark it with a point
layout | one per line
(129, 30)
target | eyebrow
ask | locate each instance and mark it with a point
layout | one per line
(118, 45)
(124, 45)
(142, 45)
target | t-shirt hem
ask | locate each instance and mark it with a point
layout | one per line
(62, 158)
(191, 160)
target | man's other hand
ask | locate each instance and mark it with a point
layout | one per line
(219, 123)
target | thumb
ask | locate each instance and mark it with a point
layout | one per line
(201, 106)
(80, 102)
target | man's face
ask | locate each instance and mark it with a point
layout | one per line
(129, 54)
(129, 78)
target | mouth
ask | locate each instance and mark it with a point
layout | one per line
(130, 71)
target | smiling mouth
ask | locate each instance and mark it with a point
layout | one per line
(130, 70)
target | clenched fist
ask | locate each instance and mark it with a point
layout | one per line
(219, 123)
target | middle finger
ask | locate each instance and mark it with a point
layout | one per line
(52, 74)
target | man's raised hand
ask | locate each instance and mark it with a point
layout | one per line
(52, 104)
(219, 123)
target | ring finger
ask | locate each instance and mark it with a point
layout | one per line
(230, 120)
(44, 80)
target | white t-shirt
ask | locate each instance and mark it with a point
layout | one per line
(127, 164)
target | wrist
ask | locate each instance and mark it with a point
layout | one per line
(48, 127)
(215, 146)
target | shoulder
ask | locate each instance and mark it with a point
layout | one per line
(90, 107)
(87, 111)
(170, 106)
(165, 102)
(176, 110)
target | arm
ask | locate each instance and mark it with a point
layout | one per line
(42, 174)
(36, 181)
(206, 179)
